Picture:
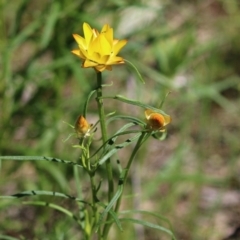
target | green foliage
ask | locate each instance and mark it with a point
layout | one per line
(188, 48)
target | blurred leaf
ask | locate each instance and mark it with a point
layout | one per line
(148, 224)
(25, 33)
(4, 237)
(42, 193)
(136, 103)
(172, 53)
(134, 67)
(51, 21)
(56, 207)
(38, 158)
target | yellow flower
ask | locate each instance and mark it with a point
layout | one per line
(157, 121)
(82, 127)
(98, 50)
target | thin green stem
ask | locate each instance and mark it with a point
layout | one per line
(104, 139)
(139, 143)
(100, 107)
(94, 200)
(104, 133)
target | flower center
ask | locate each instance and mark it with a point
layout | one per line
(156, 121)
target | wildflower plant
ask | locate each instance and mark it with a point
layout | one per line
(97, 214)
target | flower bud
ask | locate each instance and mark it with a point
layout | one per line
(157, 121)
(82, 127)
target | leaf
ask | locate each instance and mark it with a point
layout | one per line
(112, 139)
(135, 68)
(115, 197)
(56, 207)
(114, 216)
(38, 158)
(40, 193)
(126, 117)
(50, 23)
(136, 103)
(25, 33)
(148, 224)
(118, 147)
(5, 237)
(86, 103)
(147, 213)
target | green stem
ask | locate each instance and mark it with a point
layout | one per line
(94, 200)
(104, 137)
(104, 133)
(139, 143)
(100, 107)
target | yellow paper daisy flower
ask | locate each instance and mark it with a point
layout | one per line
(157, 121)
(98, 50)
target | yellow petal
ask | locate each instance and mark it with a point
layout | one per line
(118, 46)
(163, 129)
(88, 32)
(89, 63)
(95, 57)
(105, 28)
(95, 33)
(168, 119)
(103, 59)
(102, 46)
(83, 53)
(115, 60)
(148, 112)
(100, 68)
(80, 40)
(109, 36)
(76, 52)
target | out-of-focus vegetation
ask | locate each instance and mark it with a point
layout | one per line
(190, 48)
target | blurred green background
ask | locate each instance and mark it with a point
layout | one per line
(190, 48)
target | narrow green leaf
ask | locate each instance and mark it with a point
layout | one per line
(162, 102)
(26, 32)
(135, 68)
(38, 158)
(113, 138)
(40, 193)
(115, 197)
(116, 219)
(136, 103)
(125, 117)
(19, 13)
(5, 237)
(148, 224)
(118, 147)
(132, 211)
(56, 207)
(50, 24)
(86, 103)
(114, 216)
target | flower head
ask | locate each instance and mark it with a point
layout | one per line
(98, 50)
(157, 121)
(82, 127)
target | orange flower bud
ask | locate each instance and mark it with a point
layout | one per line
(157, 121)
(82, 127)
